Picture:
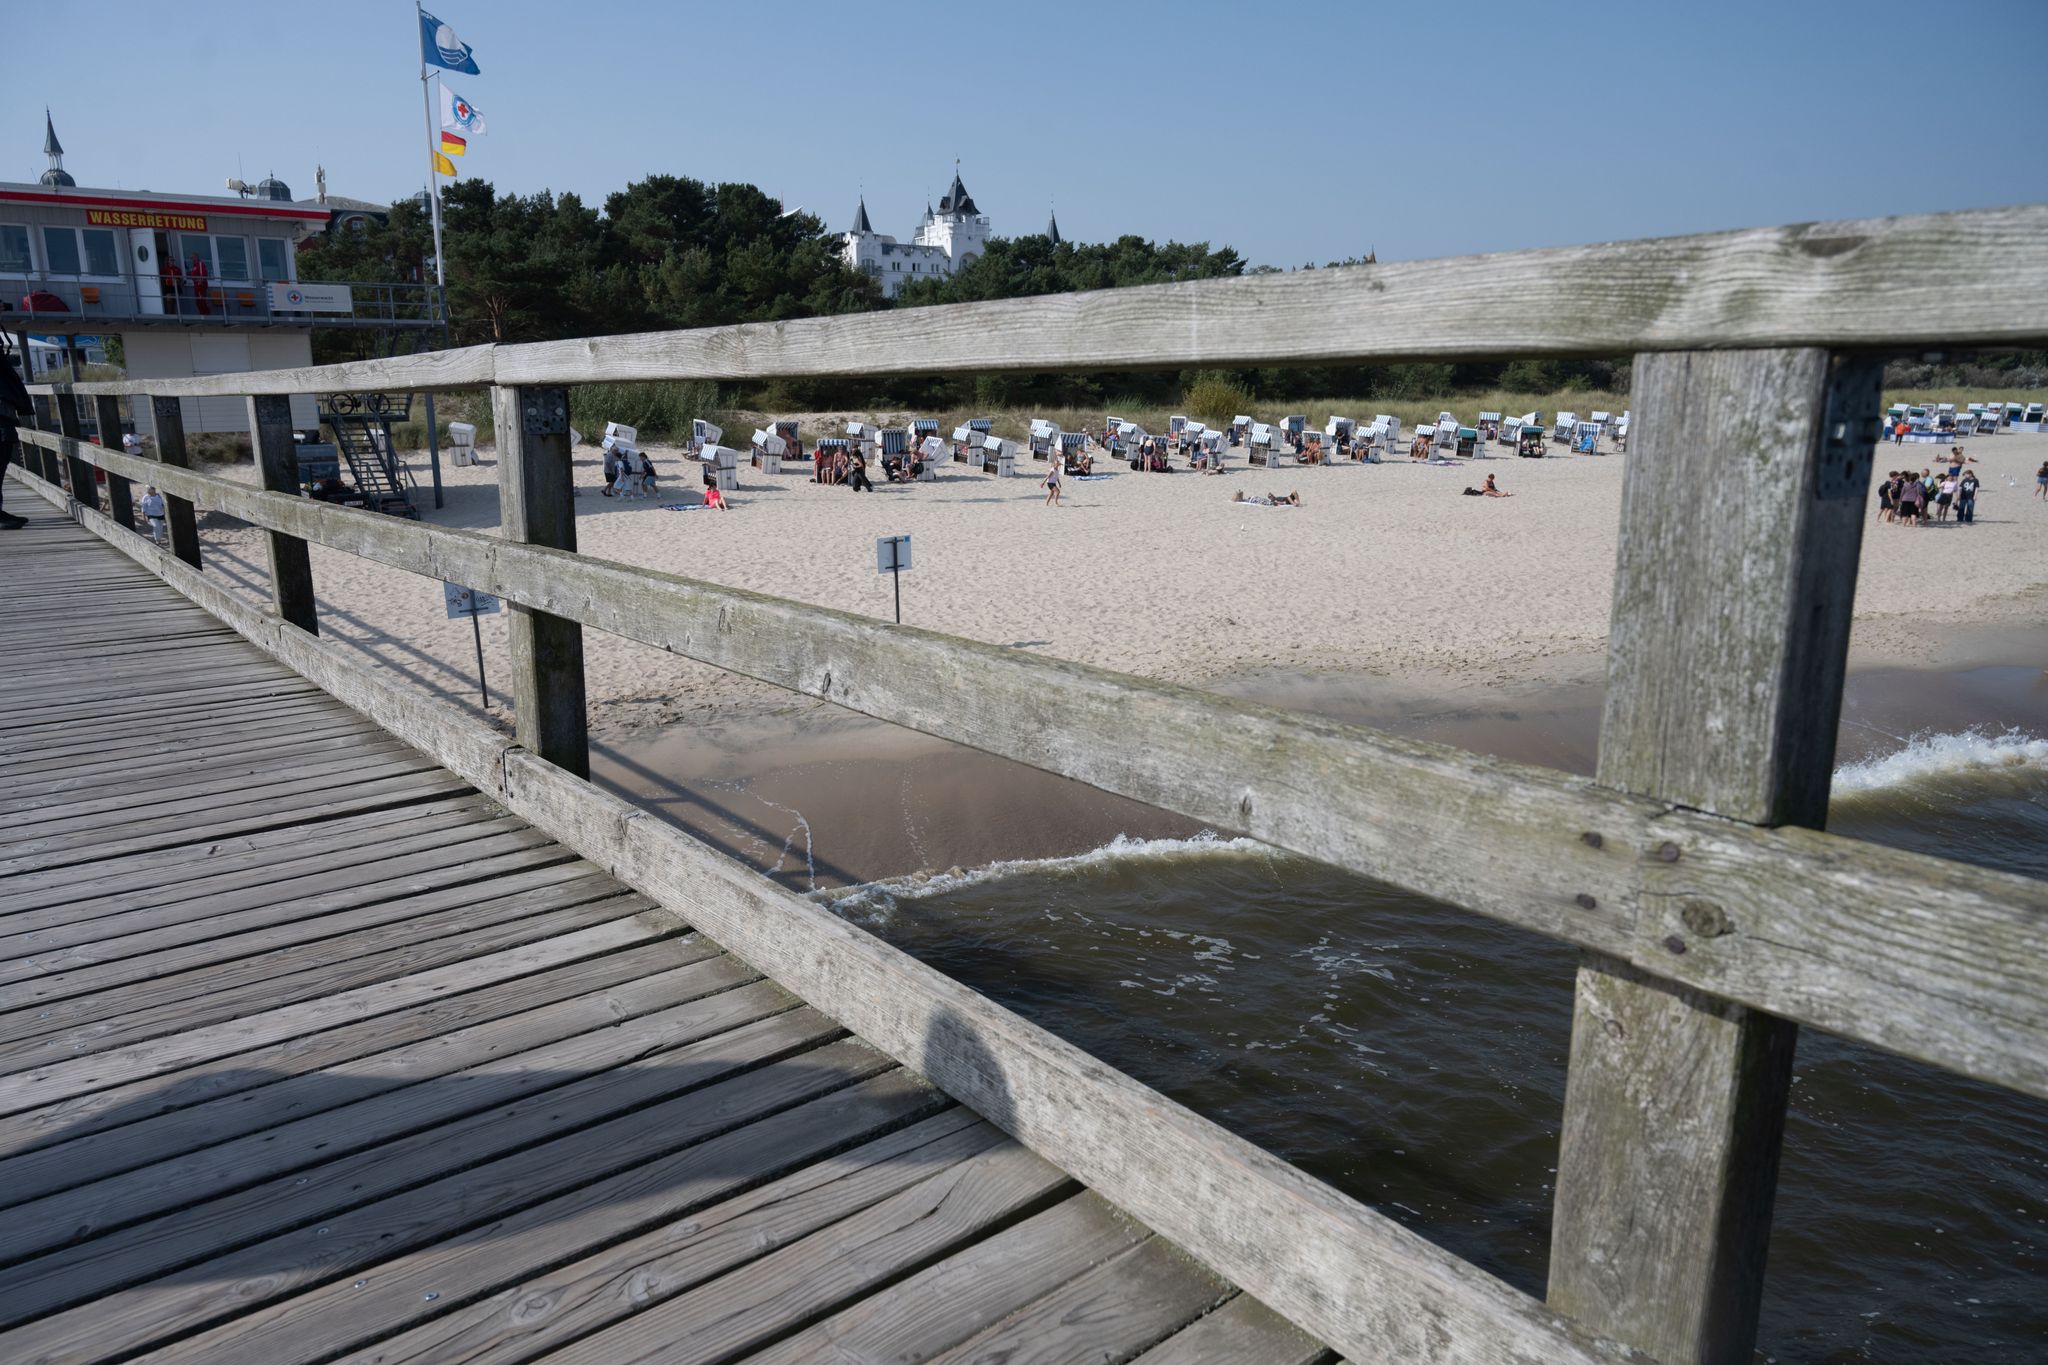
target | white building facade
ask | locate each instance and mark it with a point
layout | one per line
(947, 241)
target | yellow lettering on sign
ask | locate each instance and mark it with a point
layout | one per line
(129, 218)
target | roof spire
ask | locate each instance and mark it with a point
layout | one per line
(860, 217)
(56, 177)
(1052, 227)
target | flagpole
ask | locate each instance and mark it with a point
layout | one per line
(440, 271)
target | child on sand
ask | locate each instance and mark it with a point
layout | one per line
(714, 498)
(153, 510)
(1052, 485)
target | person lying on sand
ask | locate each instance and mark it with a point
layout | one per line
(1267, 499)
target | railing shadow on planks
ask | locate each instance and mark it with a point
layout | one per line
(1713, 916)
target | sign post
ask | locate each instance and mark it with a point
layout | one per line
(468, 602)
(892, 557)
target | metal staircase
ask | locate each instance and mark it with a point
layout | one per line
(361, 424)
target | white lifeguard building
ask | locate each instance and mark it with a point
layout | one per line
(947, 242)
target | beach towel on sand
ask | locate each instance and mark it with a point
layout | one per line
(682, 507)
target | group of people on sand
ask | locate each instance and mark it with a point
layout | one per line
(1909, 499)
(628, 474)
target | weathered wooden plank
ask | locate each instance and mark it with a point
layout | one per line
(174, 763)
(290, 1084)
(80, 1075)
(711, 1237)
(919, 1317)
(406, 1194)
(83, 1138)
(747, 1305)
(557, 902)
(536, 506)
(120, 497)
(163, 956)
(63, 939)
(1726, 657)
(168, 415)
(277, 465)
(682, 1252)
(85, 846)
(464, 367)
(247, 854)
(1129, 1302)
(717, 1002)
(1939, 279)
(1242, 1332)
(78, 475)
(1565, 857)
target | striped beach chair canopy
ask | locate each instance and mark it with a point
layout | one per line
(984, 425)
(925, 426)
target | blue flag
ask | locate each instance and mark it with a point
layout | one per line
(440, 47)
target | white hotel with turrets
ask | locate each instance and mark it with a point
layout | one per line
(946, 242)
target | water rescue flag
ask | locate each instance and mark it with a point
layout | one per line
(454, 145)
(458, 115)
(440, 47)
(443, 164)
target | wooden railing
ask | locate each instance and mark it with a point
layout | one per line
(1714, 916)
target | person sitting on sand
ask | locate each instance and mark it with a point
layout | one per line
(1267, 499)
(857, 476)
(1491, 491)
(713, 497)
(1418, 449)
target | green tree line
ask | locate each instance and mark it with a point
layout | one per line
(674, 252)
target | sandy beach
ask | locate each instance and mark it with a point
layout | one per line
(1386, 571)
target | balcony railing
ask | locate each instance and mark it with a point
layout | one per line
(46, 301)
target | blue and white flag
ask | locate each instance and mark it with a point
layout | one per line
(440, 47)
(458, 115)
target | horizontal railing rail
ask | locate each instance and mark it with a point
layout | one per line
(1947, 280)
(28, 302)
(1921, 956)
(1711, 922)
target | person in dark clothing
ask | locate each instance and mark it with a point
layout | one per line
(857, 479)
(14, 405)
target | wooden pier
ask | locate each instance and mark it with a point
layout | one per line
(394, 1037)
(312, 1051)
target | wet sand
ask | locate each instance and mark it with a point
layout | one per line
(825, 798)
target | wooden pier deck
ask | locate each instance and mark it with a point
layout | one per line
(309, 1051)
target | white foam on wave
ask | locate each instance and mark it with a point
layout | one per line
(1931, 757)
(883, 895)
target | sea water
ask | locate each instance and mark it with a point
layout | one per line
(1414, 1055)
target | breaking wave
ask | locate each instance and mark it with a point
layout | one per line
(1931, 760)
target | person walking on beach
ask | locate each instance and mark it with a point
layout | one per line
(857, 476)
(611, 471)
(153, 512)
(2041, 481)
(1052, 485)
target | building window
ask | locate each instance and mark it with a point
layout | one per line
(270, 258)
(101, 256)
(14, 247)
(60, 250)
(234, 257)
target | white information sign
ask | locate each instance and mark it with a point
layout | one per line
(468, 602)
(892, 554)
(300, 296)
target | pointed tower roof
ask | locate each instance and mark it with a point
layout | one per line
(957, 199)
(56, 177)
(1052, 228)
(860, 217)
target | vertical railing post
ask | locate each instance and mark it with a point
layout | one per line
(536, 506)
(277, 465)
(120, 497)
(78, 475)
(167, 417)
(1726, 657)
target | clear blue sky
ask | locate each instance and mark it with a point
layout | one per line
(1290, 129)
